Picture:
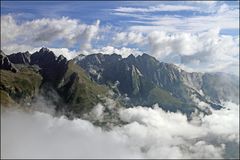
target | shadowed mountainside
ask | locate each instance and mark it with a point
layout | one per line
(42, 72)
(84, 81)
(147, 81)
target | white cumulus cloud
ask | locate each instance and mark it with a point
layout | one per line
(125, 38)
(123, 51)
(46, 31)
(205, 51)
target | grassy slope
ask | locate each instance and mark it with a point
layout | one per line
(169, 102)
(6, 100)
(158, 95)
(83, 93)
(19, 86)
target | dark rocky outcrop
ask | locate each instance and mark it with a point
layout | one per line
(44, 73)
(20, 58)
(6, 63)
(52, 67)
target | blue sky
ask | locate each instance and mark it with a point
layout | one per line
(160, 28)
(90, 11)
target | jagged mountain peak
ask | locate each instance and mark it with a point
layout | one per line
(143, 78)
(145, 55)
(131, 56)
(72, 85)
(45, 56)
(61, 58)
(148, 81)
(5, 63)
(44, 49)
(45, 52)
(20, 58)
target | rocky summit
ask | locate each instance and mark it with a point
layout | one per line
(44, 73)
(86, 80)
(147, 81)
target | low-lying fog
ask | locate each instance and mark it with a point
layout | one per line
(148, 133)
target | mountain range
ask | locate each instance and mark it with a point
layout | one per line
(81, 83)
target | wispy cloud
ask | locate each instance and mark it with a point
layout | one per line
(158, 8)
(224, 18)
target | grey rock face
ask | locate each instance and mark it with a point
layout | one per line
(6, 64)
(139, 76)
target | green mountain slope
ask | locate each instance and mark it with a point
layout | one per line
(45, 71)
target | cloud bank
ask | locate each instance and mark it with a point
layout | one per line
(148, 133)
(46, 31)
(123, 51)
(200, 52)
(208, 51)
